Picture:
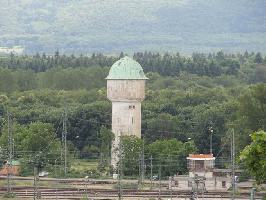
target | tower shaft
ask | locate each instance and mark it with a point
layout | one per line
(126, 91)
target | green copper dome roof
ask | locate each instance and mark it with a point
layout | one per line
(126, 68)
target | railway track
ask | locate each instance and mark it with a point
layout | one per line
(78, 189)
(73, 193)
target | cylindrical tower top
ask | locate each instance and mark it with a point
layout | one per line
(126, 69)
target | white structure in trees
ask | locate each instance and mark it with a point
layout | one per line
(126, 91)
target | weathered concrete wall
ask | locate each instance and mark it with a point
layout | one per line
(126, 97)
(126, 90)
(205, 174)
(186, 183)
(126, 120)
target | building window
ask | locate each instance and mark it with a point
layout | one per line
(132, 119)
(176, 183)
(189, 184)
(131, 107)
(223, 184)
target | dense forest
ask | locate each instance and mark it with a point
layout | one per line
(186, 96)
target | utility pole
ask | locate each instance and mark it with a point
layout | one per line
(211, 132)
(252, 194)
(139, 178)
(10, 152)
(171, 187)
(64, 143)
(120, 170)
(160, 180)
(151, 170)
(35, 196)
(233, 162)
(36, 164)
(142, 164)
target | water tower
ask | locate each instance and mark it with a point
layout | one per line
(126, 91)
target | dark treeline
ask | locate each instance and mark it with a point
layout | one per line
(22, 73)
(166, 64)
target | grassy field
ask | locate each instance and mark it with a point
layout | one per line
(83, 165)
(28, 183)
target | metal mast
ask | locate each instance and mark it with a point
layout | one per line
(211, 132)
(64, 142)
(233, 162)
(10, 152)
(141, 165)
(160, 180)
(151, 166)
(120, 170)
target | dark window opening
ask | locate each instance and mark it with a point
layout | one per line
(176, 183)
(223, 184)
(189, 184)
(131, 107)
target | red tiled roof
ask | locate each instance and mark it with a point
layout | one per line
(200, 155)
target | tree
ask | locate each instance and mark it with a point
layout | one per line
(171, 155)
(254, 156)
(252, 107)
(260, 74)
(132, 148)
(258, 58)
(106, 138)
(36, 142)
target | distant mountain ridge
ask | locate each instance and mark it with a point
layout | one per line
(85, 26)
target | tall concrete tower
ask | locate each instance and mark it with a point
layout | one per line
(126, 90)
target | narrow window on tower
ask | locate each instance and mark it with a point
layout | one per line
(132, 120)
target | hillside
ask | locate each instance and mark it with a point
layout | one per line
(85, 26)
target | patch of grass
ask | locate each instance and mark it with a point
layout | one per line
(9, 195)
(82, 165)
(29, 183)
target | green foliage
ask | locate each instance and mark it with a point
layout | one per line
(36, 143)
(170, 155)
(106, 138)
(250, 115)
(9, 195)
(184, 97)
(254, 156)
(252, 106)
(132, 149)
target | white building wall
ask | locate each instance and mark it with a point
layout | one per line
(214, 183)
(126, 90)
(205, 174)
(126, 97)
(126, 121)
